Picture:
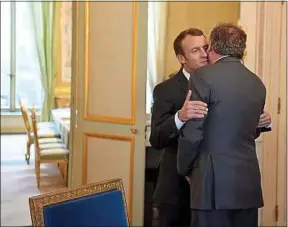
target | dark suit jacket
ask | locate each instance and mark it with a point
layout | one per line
(218, 152)
(169, 96)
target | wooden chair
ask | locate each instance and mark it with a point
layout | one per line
(47, 132)
(97, 204)
(49, 152)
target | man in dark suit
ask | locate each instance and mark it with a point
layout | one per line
(217, 153)
(172, 106)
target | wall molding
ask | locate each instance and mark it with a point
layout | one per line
(98, 118)
(129, 139)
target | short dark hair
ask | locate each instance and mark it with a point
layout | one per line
(178, 41)
(228, 39)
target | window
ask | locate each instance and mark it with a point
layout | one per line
(157, 23)
(151, 57)
(5, 54)
(20, 71)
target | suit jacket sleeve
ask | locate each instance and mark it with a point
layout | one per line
(192, 132)
(163, 126)
(260, 130)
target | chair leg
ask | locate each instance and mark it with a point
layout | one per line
(27, 155)
(65, 173)
(37, 168)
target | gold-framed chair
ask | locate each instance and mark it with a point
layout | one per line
(97, 204)
(48, 153)
(47, 132)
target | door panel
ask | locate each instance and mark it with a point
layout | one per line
(282, 133)
(259, 20)
(111, 61)
(109, 148)
(269, 58)
(110, 72)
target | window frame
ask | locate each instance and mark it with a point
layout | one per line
(12, 91)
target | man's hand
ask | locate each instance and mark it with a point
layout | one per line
(192, 109)
(265, 120)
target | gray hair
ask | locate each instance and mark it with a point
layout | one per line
(228, 39)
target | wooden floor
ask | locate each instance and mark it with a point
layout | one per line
(18, 181)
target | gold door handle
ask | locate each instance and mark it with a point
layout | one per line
(134, 130)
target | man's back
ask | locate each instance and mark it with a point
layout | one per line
(237, 99)
(225, 172)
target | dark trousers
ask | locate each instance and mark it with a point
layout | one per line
(174, 215)
(224, 218)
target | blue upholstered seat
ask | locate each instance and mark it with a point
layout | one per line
(99, 204)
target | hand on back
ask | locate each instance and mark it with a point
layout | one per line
(265, 120)
(192, 109)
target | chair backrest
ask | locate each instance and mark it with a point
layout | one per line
(24, 112)
(97, 204)
(35, 133)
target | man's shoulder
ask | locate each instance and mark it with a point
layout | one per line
(254, 76)
(205, 70)
(168, 83)
(202, 75)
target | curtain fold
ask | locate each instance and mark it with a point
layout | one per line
(157, 23)
(43, 19)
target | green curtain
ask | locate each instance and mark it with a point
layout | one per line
(43, 18)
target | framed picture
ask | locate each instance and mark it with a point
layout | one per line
(65, 42)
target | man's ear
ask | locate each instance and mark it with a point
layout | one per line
(181, 58)
(209, 48)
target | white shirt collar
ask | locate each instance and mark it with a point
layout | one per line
(186, 74)
(221, 58)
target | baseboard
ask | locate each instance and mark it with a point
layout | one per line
(12, 130)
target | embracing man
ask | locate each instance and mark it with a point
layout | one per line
(171, 109)
(217, 153)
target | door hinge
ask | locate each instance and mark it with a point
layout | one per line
(73, 100)
(279, 106)
(276, 213)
